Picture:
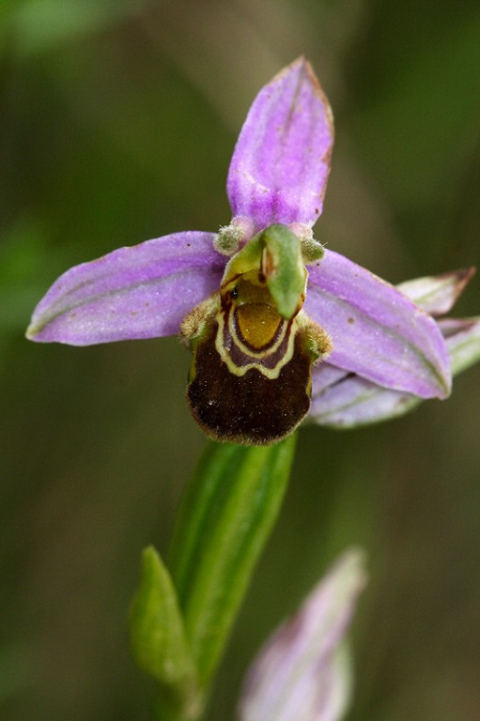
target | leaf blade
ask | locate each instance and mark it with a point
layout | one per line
(158, 639)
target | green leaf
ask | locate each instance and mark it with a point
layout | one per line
(159, 642)
(223, 524)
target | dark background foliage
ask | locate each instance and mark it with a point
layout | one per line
(118, 119)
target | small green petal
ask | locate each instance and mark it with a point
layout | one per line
(285, 271)
(277, 254)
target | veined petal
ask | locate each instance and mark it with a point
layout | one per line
(281, 162)
(377, 332)
(352, 401)
(325, 375)
(301, 674)
(434, 294)
(143, 291)
(463, 342)
(356, 402)
(437, 294)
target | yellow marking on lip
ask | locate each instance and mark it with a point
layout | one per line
(231, 326)
(258, 324)
(257, 357)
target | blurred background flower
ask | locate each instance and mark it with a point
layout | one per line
(113, 114)
(303, 672)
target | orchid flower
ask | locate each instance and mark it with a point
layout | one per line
(261, 303)
(303, 672)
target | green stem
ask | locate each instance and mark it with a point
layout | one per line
(181, 621)
(224, 522)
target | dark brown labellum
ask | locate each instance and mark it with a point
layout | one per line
(250, 378)
(249, 408)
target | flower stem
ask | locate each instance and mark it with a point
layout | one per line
(224, 522)
(182, 616)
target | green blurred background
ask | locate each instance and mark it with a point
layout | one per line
(118, 119)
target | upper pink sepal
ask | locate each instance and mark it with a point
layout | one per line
(281, 162)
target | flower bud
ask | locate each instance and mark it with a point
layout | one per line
(302, 673)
